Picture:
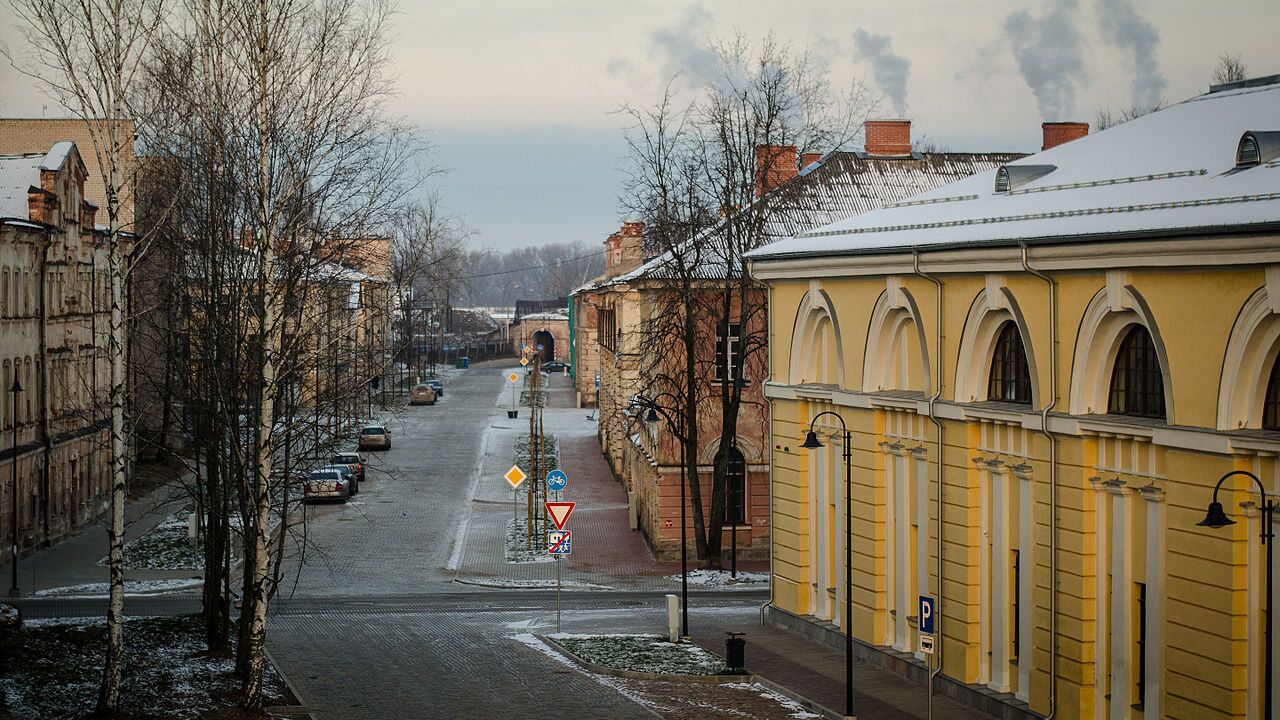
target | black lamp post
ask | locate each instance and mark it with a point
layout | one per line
(1216, 518)
(13, 496)
(652, 416)
(811, 442)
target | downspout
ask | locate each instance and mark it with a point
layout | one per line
(1053, 480)
(772, 452)
(44, 384)
(937, 393)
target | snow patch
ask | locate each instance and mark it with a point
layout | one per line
(131, 587)
(796, 709)
(723, 579)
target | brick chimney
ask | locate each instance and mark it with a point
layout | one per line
(775, 165)
(1057, 133)
(888, 138)
(624, 250)
(809, 158)
(42, 206)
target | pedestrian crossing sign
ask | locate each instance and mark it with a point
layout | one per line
(560, 542)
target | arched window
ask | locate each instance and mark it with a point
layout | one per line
(1010, 379)
(1271, 406)
(1137, 385)
(736, 487)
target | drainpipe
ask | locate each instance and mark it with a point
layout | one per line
(44, 384)
(937, 393)
(1053, 480)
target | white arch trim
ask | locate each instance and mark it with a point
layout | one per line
(1111, 311)
(1246, 367)
(814, 312)
(893, 309)
(990, 310)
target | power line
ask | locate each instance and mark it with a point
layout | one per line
(533, 267)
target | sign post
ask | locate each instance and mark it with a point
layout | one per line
(926, 620)
(559, 541)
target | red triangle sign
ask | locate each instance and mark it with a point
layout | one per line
(560, 512)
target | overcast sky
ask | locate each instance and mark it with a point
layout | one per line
(517, 96)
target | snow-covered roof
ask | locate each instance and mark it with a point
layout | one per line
(17, 173)
(1170, 172)
(57, 155)
(546, 316)
(842, 185)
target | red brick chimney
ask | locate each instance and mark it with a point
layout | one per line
(624, 250)
(1057, 133)
(889, 138)
(42, 206)
(775, 165)
(809, 158)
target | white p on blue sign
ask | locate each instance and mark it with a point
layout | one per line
(926, 614)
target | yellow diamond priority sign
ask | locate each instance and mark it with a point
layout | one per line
(515, 476)
(513, 377)
(524, 361)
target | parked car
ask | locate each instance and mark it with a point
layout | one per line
(435, 385)
(422, 394)
(555, 366)
(350, 475)
(375, 437)
(326, 485)
(353, 460)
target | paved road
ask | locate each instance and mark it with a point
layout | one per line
(376, 627)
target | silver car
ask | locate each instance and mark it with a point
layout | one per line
(375, 437)
(353, 481)
(326, 485)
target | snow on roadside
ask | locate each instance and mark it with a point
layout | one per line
(723, 579)
(641, 653)
(131, 587)
(505, 583)
(617, 684)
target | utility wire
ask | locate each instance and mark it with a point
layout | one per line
(533, 267)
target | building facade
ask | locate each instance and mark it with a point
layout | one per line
(1044, 369)
(54, 313)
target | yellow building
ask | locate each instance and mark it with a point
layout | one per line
(1045, 369)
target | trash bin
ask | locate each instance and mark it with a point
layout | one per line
(466, 362)
(735, 652)
(459, 364)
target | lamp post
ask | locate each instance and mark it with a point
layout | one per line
(13, 496)
(1216, 518)
(652, 416)
(811, 442)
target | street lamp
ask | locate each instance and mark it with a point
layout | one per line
(1216, 518)
(811, 442)
(652, 416)
(13, 496)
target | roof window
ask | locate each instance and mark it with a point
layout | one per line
(1012, 177)
(1257, 147)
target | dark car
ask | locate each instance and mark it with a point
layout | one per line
(435, 385)
(353, 460)
(555, 366)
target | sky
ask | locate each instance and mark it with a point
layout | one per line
(518, 99)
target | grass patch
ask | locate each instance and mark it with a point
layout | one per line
(642, 653)
(51, 669)
(163, 547)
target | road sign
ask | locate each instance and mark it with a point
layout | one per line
(515, 476)
(556, 480)
(926, 644)
(539, 347)
(560, 542)
(445, 348)
(513, 377)
(524, 361)
(560, 512)
(926, 614)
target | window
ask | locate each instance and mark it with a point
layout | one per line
(728, 351)
(1271, 406)
(1010, 379)
(736, 480)
(1247, 153)
(607, 328)
(1137, 385)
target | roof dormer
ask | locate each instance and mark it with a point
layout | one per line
(1257, 147)
(1012, 177)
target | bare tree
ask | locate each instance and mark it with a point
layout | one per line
(89, 55)
(1105, 117)
(1230, 68)
(703, 177)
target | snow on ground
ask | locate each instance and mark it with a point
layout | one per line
(531, 584)
(796, 709)
(518, 549)
(641, 653)
(131, 587)
(163, 547)
(723, 579)
(534, 643)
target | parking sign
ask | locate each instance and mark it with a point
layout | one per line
(926, 614)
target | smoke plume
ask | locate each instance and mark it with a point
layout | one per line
(1125, 28)
(890, 71)
(683, 48)
(1049, 56)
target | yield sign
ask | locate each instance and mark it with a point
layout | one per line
(560, 512)
(515, 476)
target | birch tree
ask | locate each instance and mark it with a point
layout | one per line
(89, 55)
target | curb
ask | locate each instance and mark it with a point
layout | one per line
(293, 711)
(639, 675)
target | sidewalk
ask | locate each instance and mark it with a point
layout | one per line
(807, 671)
(74, 561)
